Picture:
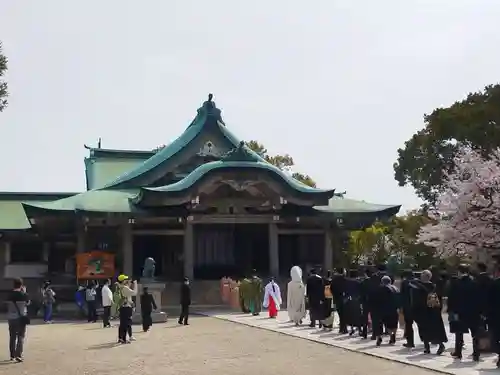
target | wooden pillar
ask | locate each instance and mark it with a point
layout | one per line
(304, 257)
(328, 255)
(46, 251)
(127, 250)
(189, 251)
(274, 258)
(81, 235)
(7, 252)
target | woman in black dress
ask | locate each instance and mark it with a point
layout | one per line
(428, 313)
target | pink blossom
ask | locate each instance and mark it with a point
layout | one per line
(467, 212)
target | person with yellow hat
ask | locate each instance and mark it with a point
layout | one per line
(127, 289)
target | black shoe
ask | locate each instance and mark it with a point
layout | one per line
(179, 322)
(186, 323)
(19, 359)
(392, 340)
(373, 337)
(408, 345)
(379, 341)
(498, 363)
(427, 348)
(312, 325)
(441, 349)
(456, 355)
(475, 357)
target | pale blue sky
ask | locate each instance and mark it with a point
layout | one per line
(340, 85)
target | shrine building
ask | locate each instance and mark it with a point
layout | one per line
(203, 206)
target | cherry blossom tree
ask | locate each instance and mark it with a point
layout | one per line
(467, 213)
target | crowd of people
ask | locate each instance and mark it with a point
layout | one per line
(368, 300)
(118, 304)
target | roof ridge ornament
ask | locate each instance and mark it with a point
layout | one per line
(210, 109)
(239, 153)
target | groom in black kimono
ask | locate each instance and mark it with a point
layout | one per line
(315, 297)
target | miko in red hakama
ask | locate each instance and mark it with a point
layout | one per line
(273, 311)
(272, 298)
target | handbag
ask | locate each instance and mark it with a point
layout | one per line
(24, 319)
(484, 341)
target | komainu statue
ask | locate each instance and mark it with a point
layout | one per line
(148, 270)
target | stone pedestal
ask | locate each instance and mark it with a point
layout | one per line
(155, 289)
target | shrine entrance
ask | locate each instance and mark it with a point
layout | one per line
(230, 250)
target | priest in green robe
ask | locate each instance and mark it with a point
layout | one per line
(244, 294)
(255, 294)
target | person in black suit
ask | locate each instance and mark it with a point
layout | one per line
(338, 291)
(375, 308)
(185, 302)
(407, 307)
(464, 309)
(315, 292)
(494, 312)
(148, 304)
(387, 300)
(485, 283)
(366, 301)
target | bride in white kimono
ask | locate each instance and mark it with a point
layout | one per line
(296, 301)
(272, 298)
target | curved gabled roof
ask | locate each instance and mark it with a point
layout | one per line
(207, 168)
(208, 116)
(238, 158)
(117, 201)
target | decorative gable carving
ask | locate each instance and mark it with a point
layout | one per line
(210, 149)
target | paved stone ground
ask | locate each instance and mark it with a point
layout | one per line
(444, 363)
(208, 346)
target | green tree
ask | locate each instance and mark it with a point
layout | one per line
(283, 162)
(3, 85)
(368, 244)
(396, 237)
(403, 233)
(428, 154)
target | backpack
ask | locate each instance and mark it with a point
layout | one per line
(48, 296)
(433, 300)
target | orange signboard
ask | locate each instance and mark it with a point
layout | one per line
(95, 265)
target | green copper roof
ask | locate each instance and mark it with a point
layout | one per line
(208, 117)
(101, 170)
(239, 158)
(341, 205)
(203, 169)
(119, 154)
(116, 201)
(12, 215)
